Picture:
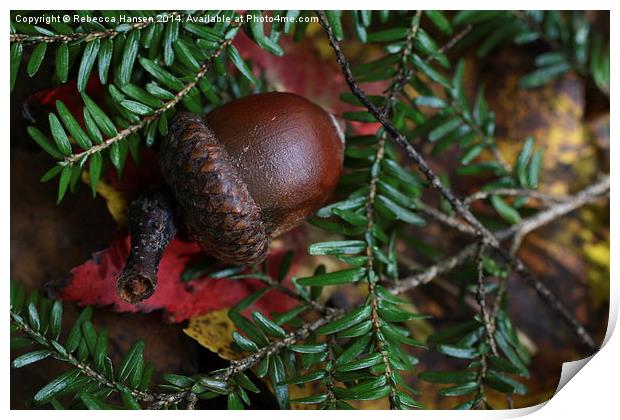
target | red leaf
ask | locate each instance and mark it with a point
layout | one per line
(38, 105)
(93, 283)
(136, 177)
(305, 71)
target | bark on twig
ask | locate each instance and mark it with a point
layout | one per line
(152, 224)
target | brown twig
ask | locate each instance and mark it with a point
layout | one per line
(152, 224)
(489, 325)
(517, 192)
(588, 195)
(330, 381)
(443, 218)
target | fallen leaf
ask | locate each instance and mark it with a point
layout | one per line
(93, 283)
(37, 106)
(116, 201)
(213, 330)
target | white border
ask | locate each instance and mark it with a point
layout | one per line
(593, 393)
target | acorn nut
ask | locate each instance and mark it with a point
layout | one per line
(248, 171)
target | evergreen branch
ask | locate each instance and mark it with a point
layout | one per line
(84, 368)
(248, 362)
(270, 282)
(560, 47)
(489, 326)
(403, 75)
(456, 203)
(487, 139)
(330, 382)
(278, 345)
(400, 139)
(204, 69)
(588, 195)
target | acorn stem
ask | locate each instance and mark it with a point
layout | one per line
(152, 224)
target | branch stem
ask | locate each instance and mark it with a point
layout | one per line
(152, 224)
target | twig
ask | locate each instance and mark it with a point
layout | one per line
(192, 399)
(329, 383)
(84, 368)
(588, 195)
(457, 204)
(165, 400)
(456, 38)
(449, 221)
(517, 192)
(489, 326)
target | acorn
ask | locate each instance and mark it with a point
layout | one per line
(244, 173)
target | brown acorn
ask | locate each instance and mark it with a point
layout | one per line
(244, 173)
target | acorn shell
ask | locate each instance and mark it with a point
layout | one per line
(251, 169)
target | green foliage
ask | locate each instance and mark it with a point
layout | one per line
(36, 326)
(498, 370)
(569, 34)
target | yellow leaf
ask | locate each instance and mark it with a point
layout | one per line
(116, 201)
(213, 330)
(599, 259)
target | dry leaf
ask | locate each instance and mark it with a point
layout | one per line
(115, 200)
(213, 330)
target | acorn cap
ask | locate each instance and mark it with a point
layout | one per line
(251, 169)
